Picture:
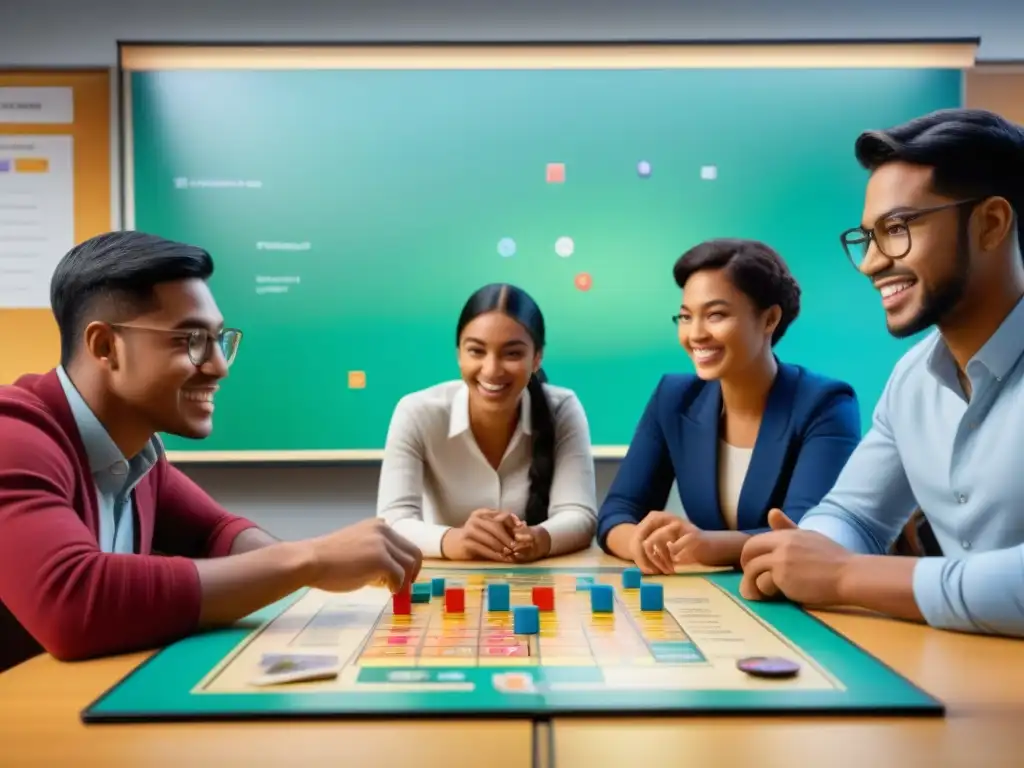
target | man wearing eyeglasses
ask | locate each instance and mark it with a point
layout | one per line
(88, 499)
(940, 240)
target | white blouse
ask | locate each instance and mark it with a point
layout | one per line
(733, 463)
(434, 475)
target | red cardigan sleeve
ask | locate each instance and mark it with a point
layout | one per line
(188, 522)
(75, 600)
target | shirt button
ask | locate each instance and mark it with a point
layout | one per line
(965, 544)
(961, 498)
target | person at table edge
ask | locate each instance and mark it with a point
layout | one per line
(940, 239)
(745, 433)
(105, 547)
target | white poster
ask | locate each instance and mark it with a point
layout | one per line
(36, 105)
(37, 217)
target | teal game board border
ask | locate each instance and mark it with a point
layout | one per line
(160, 689)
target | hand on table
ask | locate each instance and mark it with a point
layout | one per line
(531, 542)
(649, 553)
(713, 548)
(369, 552)
(804, 566)
(680, 542)
(487, 535)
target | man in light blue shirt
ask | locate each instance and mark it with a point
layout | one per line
(940, 240)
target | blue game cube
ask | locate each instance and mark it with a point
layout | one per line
(652, 597)
(421, 592)
(602, 598)
(437, 586)
(526, 620)
(631, 578)
(497, 597)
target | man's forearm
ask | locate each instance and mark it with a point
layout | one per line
(252, 539)
(880, 583)
(235, 586)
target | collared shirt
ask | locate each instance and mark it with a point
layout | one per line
(959, 460)
(114, 476)
(434, 475)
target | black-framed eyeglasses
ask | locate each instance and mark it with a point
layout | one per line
(200, 341)
(891, 234)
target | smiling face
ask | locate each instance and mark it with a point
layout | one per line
(927, 284)
(497, 357)
(148, 366)
(721, 329)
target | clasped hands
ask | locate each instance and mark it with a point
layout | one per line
(490, 534)
(804, 566)
(663, 540)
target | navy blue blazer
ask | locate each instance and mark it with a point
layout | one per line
(810, 426)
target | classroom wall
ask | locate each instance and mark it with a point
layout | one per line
(47, 33)
(301, 501)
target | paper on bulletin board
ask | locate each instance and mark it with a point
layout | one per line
(37, 216)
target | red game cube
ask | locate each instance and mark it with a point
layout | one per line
(401, 602)
(454, 600)
(544, 598)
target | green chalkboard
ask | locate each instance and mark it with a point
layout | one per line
(352, 212)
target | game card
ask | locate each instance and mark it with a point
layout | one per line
(281, 668)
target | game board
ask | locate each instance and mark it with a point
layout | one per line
(434, 662)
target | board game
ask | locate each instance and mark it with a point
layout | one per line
(516, 642)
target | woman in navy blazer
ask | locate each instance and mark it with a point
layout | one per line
(745, 434)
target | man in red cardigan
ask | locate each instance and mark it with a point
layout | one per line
(88, 499)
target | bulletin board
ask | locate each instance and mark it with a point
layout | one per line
(55, 191)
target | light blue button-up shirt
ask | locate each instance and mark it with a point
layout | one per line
(114, 476)
(962, 462)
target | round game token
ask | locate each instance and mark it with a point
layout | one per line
(768, 666)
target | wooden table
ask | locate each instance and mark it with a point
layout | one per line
(980, 679)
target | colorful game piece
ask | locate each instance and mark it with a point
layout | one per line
(498, 596)
(652, 597)
(768, 666)
(526, 620)
(437, 586)
(602, 598)
(401, 602)
(584, 583)
(631, 578)
(544, 598)
(421, 592)
(454, 600)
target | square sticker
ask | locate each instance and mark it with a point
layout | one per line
(357, 379)
(556, 173)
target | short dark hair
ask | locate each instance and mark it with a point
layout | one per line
(973, 153)
(111, 277)
(754, 268)
(520, 306)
